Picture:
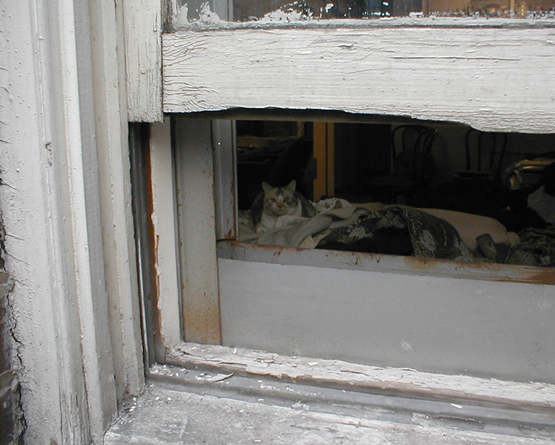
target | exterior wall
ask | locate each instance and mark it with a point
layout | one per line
(75, 316)
(11, 416)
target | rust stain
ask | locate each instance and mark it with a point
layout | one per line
(423, 263)
(489, 271)
(543, 276)
(509, 273)
(153, 245)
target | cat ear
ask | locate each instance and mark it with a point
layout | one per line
(291, 186)
(266, 187)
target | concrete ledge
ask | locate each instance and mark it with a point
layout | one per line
(170, 415)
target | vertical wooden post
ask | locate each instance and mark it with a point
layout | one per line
(225, 179)
(330, 161)
(164, 223)
(324, 154)
(142, 19)
(200, 295)
(319, 151)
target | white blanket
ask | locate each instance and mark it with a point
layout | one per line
(334, 212)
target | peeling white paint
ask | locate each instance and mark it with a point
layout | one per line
(164, 221)
(143, 27)
(52, 207)
(248, 361)
(494, 79)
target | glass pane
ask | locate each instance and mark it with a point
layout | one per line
(286, 11)
(311, 9)
(494, 193)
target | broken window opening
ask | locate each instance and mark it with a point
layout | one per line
(441, 191)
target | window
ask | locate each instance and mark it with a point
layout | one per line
(386, 310)
(374, 181)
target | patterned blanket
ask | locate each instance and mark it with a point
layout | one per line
(400, 230)
(429, 236)
(536, 248)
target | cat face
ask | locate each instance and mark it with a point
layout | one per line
(280, 200)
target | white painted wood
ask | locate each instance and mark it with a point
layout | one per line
(428, 323)
(142, 54)
(108, 70)
(491, 77)
(61, 101)
(318, 371)
(164, 221)
(225, 179)
(197, 231)
(35, 241)
(51, 212)
(85, 216)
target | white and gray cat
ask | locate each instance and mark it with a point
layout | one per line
(278, 207)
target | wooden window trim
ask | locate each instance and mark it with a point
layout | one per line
(484, 74)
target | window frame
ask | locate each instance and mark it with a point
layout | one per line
(225, 221)
(466, 280)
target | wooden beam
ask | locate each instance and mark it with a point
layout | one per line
(143, 20)
(324, 154)
(319, 154)
(330, 159)
(539, 397)
(110, 101)
(486, 76)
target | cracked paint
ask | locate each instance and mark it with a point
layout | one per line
(12, 417)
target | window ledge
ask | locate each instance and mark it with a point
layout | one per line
(232, 395)
(385, 263)
(343, 374)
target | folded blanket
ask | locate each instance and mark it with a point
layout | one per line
(402, 230)
(430, 236)
(340, 221)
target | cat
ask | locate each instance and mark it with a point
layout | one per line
(277, 207)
